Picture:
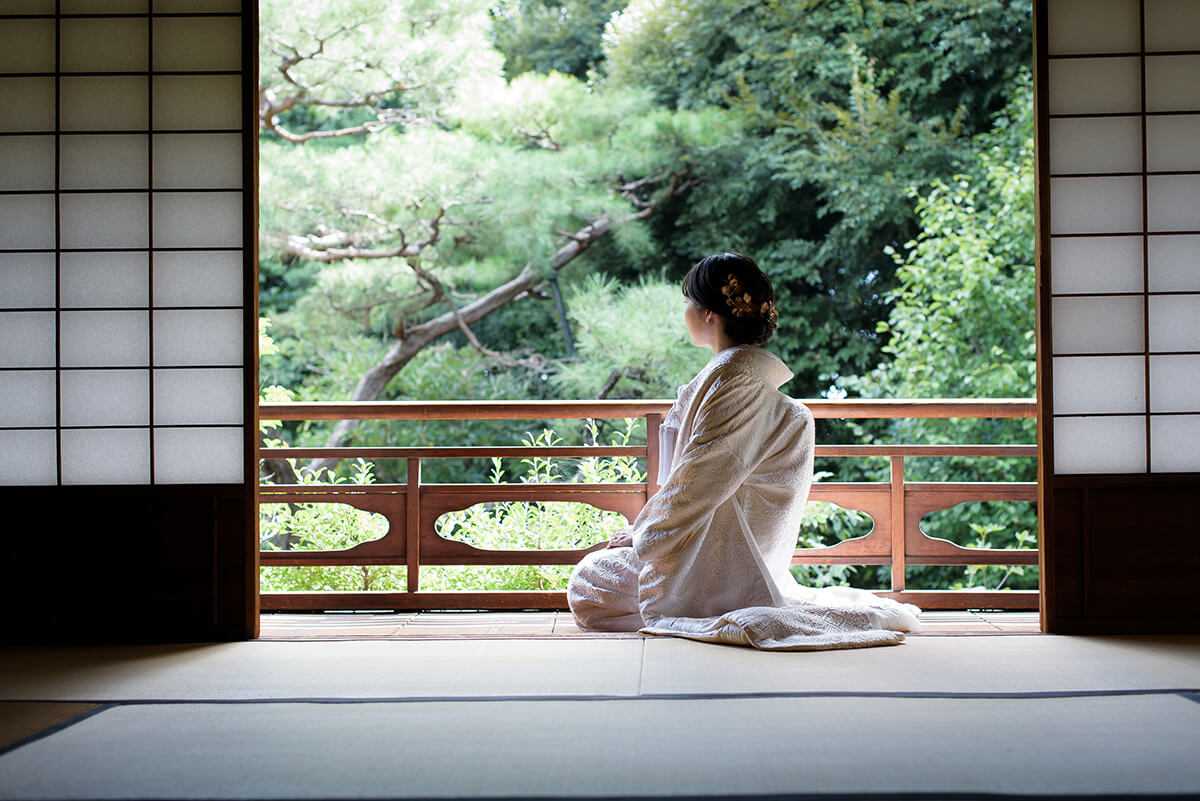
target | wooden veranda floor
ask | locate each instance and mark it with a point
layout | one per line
(436, 625)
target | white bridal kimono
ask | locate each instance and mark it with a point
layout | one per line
(711, 549)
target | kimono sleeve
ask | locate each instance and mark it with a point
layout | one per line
(712, 465)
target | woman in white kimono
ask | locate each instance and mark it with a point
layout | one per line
(708, 556)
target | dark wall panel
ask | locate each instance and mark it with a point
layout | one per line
(1127, 552)
(127, 564)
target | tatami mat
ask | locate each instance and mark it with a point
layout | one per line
(641, 748)
(584, 666)
(513, 705)
(356, 669)
(932, 664)
(20, 720)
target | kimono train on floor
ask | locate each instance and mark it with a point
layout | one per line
(711, 549)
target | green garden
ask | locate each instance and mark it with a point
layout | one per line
(469, 200)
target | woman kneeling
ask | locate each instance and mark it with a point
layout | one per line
(708, 556)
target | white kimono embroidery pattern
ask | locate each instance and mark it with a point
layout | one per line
(711, 549)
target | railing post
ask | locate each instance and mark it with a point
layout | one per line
(412, 524)
(899, 538)
(653, 456)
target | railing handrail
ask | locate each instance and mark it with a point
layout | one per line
(581, 451)
(861, 408)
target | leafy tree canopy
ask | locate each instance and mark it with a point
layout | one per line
(845, 106)
(551, 35)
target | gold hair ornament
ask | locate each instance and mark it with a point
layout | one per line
(742, 305)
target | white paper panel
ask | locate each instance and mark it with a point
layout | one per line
(198, 397)
(1097, 325)
(201, 103)
(1172, 25)
(28, 221)
(104, 279)
(1099, 384)
(1095, 145)
(119, 161)
(196, 220)
(27, 104)
(1174, 263)
(106, 456)
(105, 397)
(1092, 26)
(27, 339)
(198, 161)
(27, 398)
(1171, 83)
(118, 103)
(1095, 205)
(26, 280)
(105, 6)
(1175, 384)
(104, 221)
(105, 45)
(1099, 445)
(28, 457)
(27, 163)
(198, 337)
(198, 278)
(198, 456)
(1174, 323)
(26, 45)
(1095, 86)
(1173, 202)
(202, 43)
(1175, 444)
(105, 338)
(1173, 142)
(195, 6)
(1096, 264)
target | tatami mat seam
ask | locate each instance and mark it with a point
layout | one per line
(1189, 693)
(57, 727)
(832, 796)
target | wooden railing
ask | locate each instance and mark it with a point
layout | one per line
(412, 508)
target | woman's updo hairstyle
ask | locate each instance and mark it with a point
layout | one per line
(733, 286)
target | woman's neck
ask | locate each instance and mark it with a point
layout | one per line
(722, 342)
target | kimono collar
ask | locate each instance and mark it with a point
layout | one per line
(754, 360)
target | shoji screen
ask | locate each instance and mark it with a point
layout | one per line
(122, 348)
(1124, 189)
(127, 277)
(1119, 321)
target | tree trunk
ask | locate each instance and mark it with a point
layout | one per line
(372, 384)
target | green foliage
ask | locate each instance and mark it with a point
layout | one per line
(522, 162)
(551, 35)
(439, 372)
(962, 318)
(844, 106)
(962, 326)
(412, 54)
(631, 334)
